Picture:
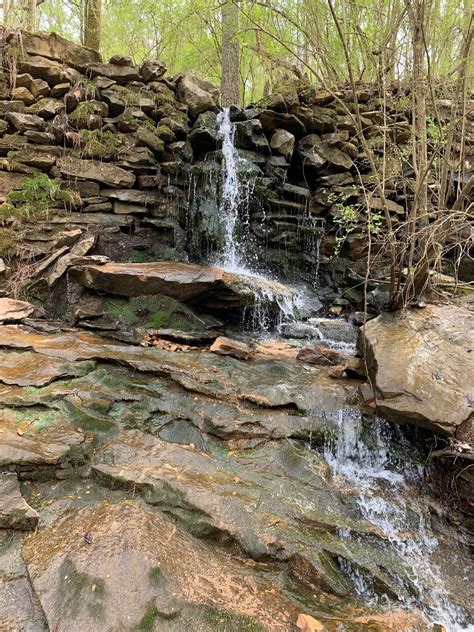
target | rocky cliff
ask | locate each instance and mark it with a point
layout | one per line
(112, 159)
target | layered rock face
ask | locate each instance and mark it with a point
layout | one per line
(140, 150)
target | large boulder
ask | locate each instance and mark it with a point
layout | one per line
(81, 567)
(197, 94)
(105, 173)
(53, 46)
(421, 363)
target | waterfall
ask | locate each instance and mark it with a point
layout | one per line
(234, 204)
(364, 455)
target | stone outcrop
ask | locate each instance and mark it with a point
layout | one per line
(421, 363)
(12, 310)
(15, 513)
(211, 287)
(141, 153)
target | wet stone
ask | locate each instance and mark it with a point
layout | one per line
(15, 513)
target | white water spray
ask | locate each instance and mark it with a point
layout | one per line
(383, 485)
(233, 196)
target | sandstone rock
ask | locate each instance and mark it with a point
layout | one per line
(39, 444)
(334, 330)
(320, 356)
(180, 582)
(27, 369)
(378, 204)
(12, 310)
(198, 95)
(50, 71)
(23, 94)
(39, 88)
(59, 90)
(15, 513)
(421, 364)
(151, 140)
(23, 122)
(104, 173)
(249, 135)
(234, 348)
(134, 196)
(317, 153)
(39, 138)
(205, 486)
(283, 143)
(307, 623)
(152, 70)
(204, 136)
(213, 287)
(120, 74)
(275, 120)
(55, 47)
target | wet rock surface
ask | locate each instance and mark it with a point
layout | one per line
(188, 476)
(15, 513)
(421, 362)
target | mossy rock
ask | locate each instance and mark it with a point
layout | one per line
(154, 312)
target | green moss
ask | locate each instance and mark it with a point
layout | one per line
(220, 620)
(8, 238)
(80, 590)
(154, 313)
(147, 622)
(130, 97)
(165, 133)
(140, 256)
(99, 144)
(155, 575)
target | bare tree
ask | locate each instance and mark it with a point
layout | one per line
(230, 53)
(92, 16)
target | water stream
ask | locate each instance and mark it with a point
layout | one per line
(389, 493)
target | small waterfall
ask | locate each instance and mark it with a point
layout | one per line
(234, 203)
(389, 497)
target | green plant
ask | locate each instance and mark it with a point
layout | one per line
(34, 198)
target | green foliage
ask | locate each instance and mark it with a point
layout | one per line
(34, 199)
(436, 133)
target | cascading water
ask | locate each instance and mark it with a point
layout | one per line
(389, 496)
(234, 201)
(236, 255)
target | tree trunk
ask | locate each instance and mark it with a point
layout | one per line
(92, 11)
(30, 15)
(469, 58)
(418, 281)
(230, 54)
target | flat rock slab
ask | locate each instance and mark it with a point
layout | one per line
(175, 582)
(422, 363)
(15, 513)
(273, 502)
(185, 282)
(11, 310)
(33, 369)
(36, 442)
(270, 383)
(102, 172)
